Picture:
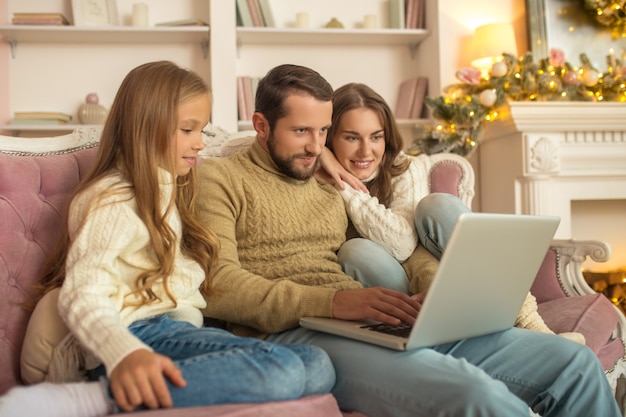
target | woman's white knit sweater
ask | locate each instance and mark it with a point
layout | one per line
(391, 227)
(108, 252)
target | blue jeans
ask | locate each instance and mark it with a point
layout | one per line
(502, 374)
(220, 367)
(370, 264)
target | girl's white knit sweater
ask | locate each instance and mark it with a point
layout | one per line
(108, 252)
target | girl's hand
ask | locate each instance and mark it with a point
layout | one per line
(332, 171)
(139, 379)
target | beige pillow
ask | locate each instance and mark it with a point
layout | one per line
(238, 143)
(45, 331)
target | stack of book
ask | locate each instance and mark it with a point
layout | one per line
(410, 104)
(246, 91)
(254, 13)
(184, 22)
(42, 118)
(56, 19)
(407, 14)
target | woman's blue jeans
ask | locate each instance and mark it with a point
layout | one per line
(371, 265)
(220, 367)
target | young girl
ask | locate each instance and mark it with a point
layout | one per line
(397, 211)
(135, 271)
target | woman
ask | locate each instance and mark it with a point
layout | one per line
(402, 228)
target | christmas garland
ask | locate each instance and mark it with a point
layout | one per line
(464, 108)
(609, 13)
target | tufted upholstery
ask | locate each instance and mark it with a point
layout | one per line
(33, 194)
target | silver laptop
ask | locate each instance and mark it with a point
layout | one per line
(484, 276)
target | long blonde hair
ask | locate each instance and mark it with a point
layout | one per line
(136, 140)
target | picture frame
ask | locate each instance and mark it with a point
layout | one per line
(95, 12)
(566, 25)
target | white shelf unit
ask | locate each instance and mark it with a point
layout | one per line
(381, 58)
(372, 37)
(104, 34)
(53, 68)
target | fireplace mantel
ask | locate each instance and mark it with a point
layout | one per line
(541, 156)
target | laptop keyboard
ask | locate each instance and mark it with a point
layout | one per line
(401, 330)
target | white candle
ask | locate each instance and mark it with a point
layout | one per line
(369, 22)
(140, 14)
(302, 20)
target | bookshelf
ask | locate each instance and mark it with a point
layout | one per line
(78, 35)
(378, 37)
(380, 57)
(79, 60)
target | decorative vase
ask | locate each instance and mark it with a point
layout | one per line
(90, 112)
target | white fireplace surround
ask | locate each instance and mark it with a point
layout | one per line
(541, 156)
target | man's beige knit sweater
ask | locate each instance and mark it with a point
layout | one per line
(278, 236)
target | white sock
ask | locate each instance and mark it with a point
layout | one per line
(80, 399)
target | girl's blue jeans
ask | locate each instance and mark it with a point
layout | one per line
(220, 367)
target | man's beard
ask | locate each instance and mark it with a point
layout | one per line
(287, 165)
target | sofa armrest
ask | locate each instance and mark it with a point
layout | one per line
(453, 174)
(571, 254)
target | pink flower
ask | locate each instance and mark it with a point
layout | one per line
(469, 75)
(557, 57)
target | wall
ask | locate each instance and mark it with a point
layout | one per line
(460, 18)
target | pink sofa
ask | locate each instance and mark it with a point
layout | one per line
(36, 179)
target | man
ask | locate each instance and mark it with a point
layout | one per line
(279, 231)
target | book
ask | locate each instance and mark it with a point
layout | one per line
(37, 122)
(40, 15)
(406, 96)
(420, 21)
(42, 115)
(411, 14)
(39, 19)
(28, 21)
(417, 106)
(184, 22)
(255, 13)
(266, 12)
(255, 85)
(241, 99)
(243, 13)
(248, 97)
(396, 14)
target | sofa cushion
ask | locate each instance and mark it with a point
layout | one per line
(546, 286)
(44, 332)
(593, 315)
(313, 406)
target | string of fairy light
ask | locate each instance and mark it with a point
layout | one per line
(461, 112)
(611, 14)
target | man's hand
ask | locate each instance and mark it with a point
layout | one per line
(380, 304)
(139, 379)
